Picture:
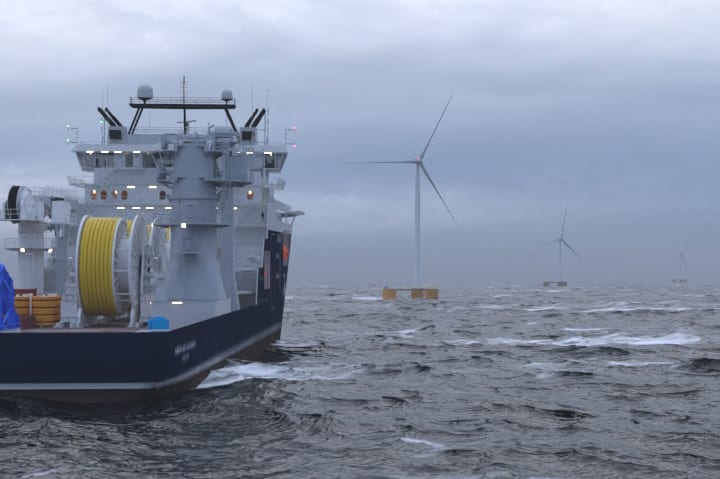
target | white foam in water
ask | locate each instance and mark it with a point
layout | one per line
(580, 330)
(623, 307)
(41, 473)
(289, 345)
(236, 372)
(366, 298)
(496, 307)
(545, 308)
(638, 364)
(406, 333)
(435, 445)
(461, 342)
(610, 339)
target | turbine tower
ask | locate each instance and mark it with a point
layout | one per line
(683, 270)
(561, 242)
(420, 168)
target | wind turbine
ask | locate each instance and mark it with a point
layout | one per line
(683, 270)
(561, 242)
(420, 167)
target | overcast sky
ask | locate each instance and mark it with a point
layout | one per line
(610, 109)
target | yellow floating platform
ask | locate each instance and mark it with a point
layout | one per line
(415, 293)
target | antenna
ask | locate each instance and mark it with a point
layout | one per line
(420, 167)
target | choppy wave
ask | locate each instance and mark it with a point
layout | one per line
(704, 365)
(575, 382)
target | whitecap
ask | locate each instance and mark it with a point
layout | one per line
(580, 330)
(288, 345)
(41, 473)
(545, 308)
(406, 333)
(496, 307)
(618, 339)
(638, 364)
(435, 445)
(511, 341)
(615, 339)
(235, 372)
(366, 298)
(461, 342)
(675, 338)
(624, 308)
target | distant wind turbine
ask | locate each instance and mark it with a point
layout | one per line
(420, 166)
(684, 263)
(561, 242)
(683, 270)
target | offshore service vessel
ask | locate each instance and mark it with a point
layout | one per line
(168, 258)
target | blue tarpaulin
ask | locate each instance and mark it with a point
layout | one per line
(8, 317)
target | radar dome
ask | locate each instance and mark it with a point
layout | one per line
(226, 95)
(145, 92)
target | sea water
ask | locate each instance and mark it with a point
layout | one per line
(491, 382)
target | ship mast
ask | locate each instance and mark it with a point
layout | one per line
(184, 92)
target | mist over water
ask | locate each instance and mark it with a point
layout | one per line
(496, 382)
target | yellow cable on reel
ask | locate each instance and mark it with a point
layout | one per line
(95, 266)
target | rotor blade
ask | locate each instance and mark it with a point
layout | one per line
(562, 231)
(422, 155)
(379, 162)
(427, 175)
(571, 248)
(550, 242)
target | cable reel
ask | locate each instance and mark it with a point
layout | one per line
(108, 260)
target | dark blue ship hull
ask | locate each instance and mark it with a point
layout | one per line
(125, 364)
(99, 365)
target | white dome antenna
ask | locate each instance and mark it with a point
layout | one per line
(145, 92)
